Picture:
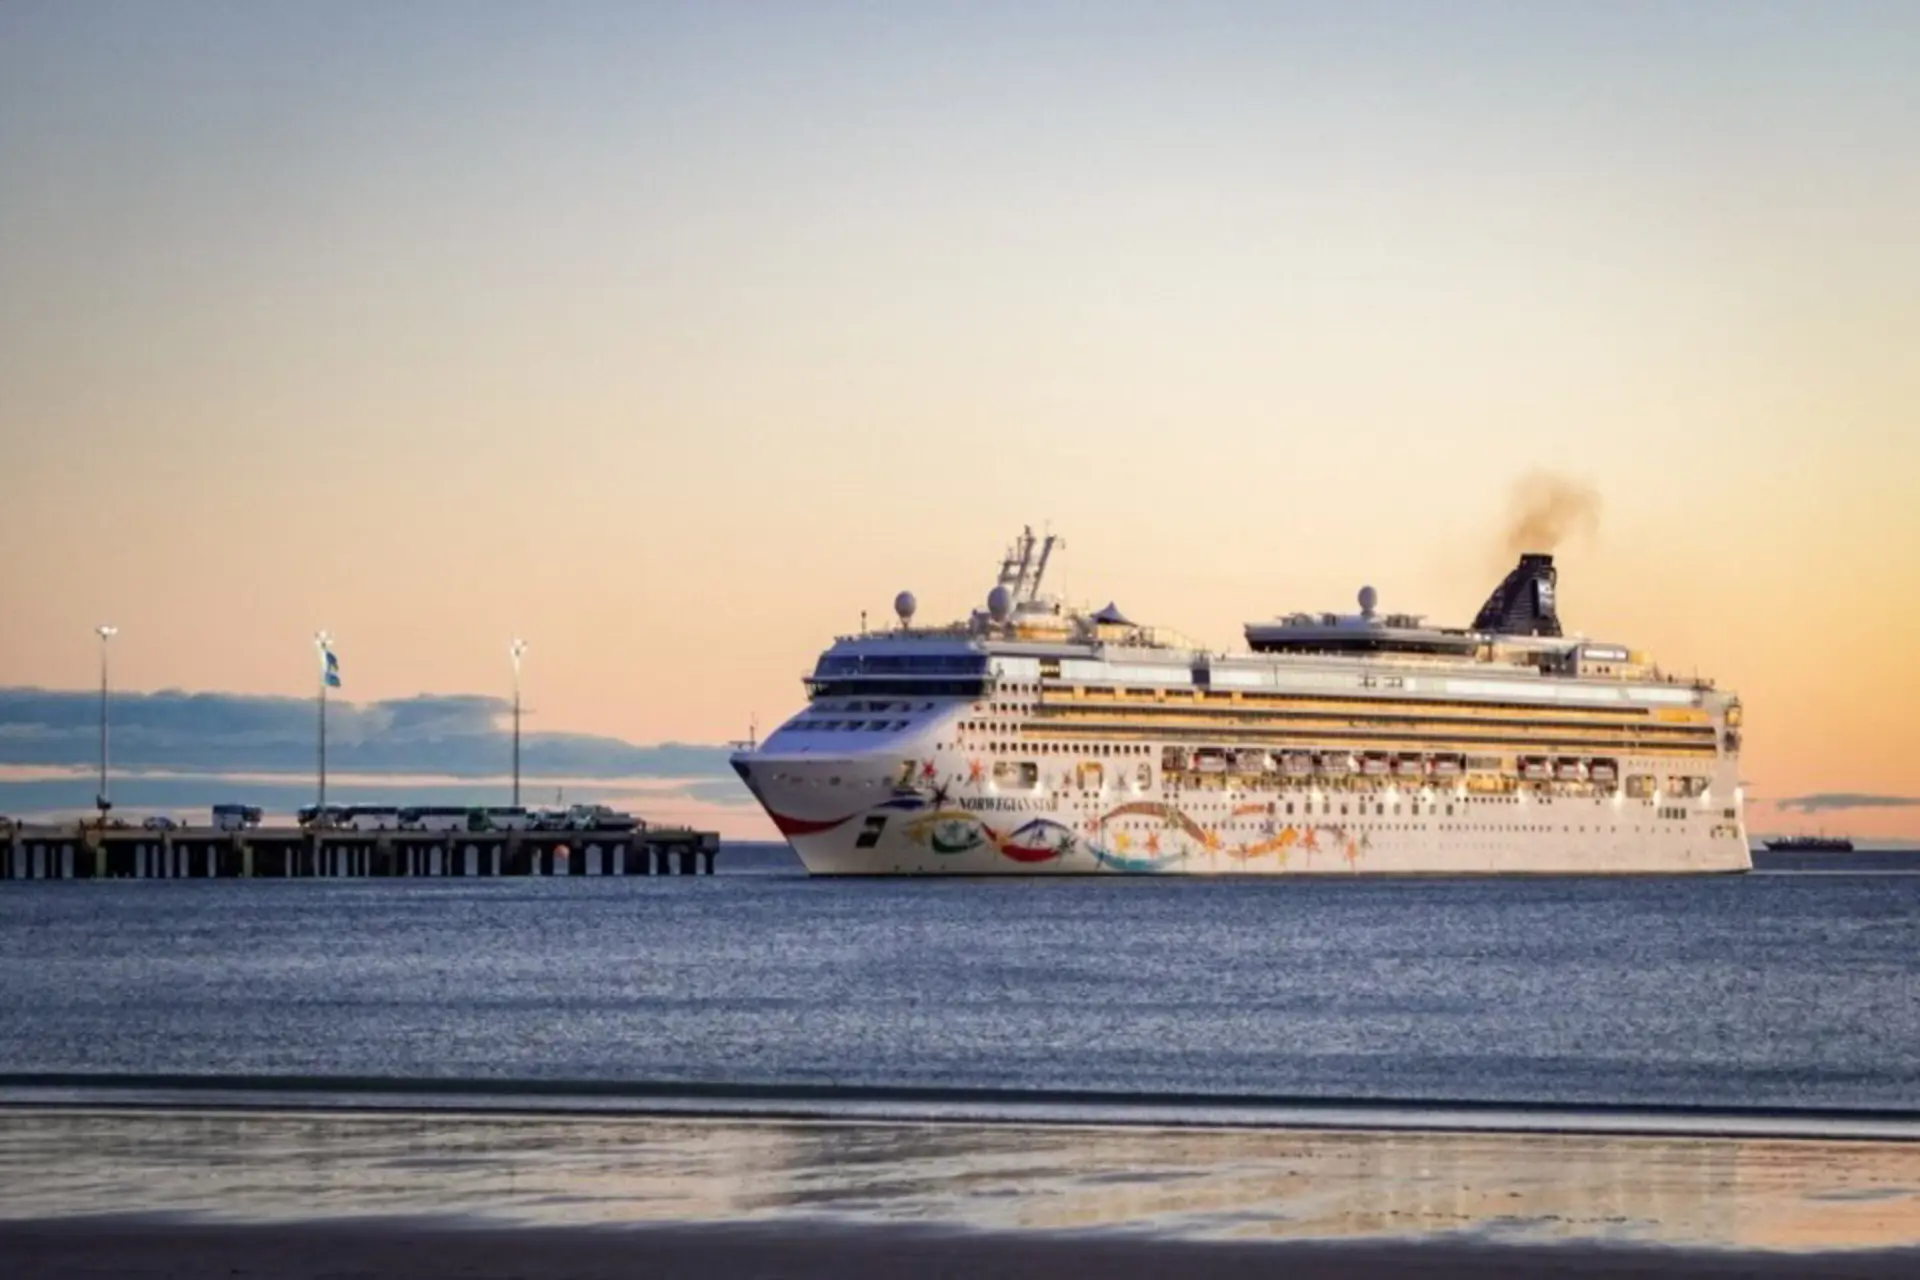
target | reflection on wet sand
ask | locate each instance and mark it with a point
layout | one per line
(1743, 1193)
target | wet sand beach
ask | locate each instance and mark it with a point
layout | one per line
(338, 1193)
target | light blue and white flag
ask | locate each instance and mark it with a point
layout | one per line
(332, 675)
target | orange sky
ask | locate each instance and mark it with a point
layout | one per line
(672, 341)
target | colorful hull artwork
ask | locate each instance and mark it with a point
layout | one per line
(948, 831)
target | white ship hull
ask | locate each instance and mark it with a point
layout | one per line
(948, 824)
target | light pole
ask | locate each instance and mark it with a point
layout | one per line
(517, 649)
(105, 633)
(322, 643)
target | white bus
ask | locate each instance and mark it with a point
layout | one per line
(508, 818)
(370, 817)
(313, 815)
(464, 818)
(235, 817)
(437, 817)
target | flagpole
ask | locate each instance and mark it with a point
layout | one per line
(105, 633)
(320, 641)
(518, 648)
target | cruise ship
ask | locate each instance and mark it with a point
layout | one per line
(1038, 738)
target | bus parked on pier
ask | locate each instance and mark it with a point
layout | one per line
(235, 817)
(464, 818)
(370, 817)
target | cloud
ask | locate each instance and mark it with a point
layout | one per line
(454, 735)
(727, 790)
(1823, 801)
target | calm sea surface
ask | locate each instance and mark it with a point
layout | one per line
(1773, 990)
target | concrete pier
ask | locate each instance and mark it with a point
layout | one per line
(89, 852)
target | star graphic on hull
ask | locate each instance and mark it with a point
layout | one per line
(975, 772)
(928, 771)
(940, 796)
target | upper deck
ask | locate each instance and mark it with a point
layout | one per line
(1515, 652)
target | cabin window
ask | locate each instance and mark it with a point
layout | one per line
(1021, 774)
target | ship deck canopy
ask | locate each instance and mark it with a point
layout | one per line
(1305, 633)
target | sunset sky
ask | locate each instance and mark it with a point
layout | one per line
(671, 337)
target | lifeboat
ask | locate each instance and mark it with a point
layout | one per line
(1374, 766)
(1603, 771)
(1210, 762)
(1409, 767)
(1297, 764)
(1446, 767)
(1535, 769)
(1336, 764)
(1569, 770)
(1250, 762)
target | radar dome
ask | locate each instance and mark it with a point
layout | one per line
(999, 604)
(904, 604)
(1368, 598)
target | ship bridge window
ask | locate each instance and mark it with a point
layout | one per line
(937, 675)
(885, 664)
(909, 687)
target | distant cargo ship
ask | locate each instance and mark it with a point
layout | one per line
(1810, 844)
(1033, 737)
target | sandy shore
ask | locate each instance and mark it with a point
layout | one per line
(350, 1251)
(178, 1193)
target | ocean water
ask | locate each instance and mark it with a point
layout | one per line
(1776, 990)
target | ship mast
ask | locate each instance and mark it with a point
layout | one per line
(1040, 571)
(1019, 573)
